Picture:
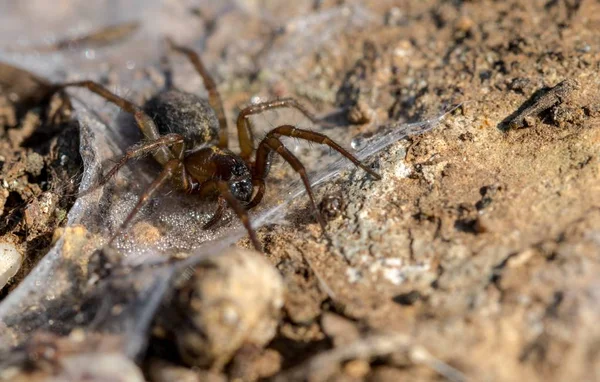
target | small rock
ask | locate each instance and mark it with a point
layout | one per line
(3, 196)
(463, 26)
(357, 368)
(34, 164)
(394, 16)
(10, 262)
(360, 114)
(521, 85)
(99, 367)
(408, 298)
(251, 364)
(331, 206)
(227, 301)
(39, 212)
(341, 330)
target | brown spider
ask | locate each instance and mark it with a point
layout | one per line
(188, 136)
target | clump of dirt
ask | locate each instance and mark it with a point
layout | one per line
(39, 153)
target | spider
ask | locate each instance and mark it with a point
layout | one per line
(188, 136)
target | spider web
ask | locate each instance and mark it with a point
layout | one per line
(58, 295)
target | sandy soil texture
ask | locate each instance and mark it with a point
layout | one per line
(475, 257)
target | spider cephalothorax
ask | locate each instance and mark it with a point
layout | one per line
(187, 135)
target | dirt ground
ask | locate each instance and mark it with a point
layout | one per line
(475, 257)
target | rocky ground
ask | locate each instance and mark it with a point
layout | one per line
(475, 257)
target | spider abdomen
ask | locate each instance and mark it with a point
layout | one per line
(175, 111)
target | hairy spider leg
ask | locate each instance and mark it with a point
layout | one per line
(140, 151)
(312, 136)
(221, 203)
(262, 163)
(158, 146)
(223, 188)
(214, 98)
(244, 129)
(144, 122)
(167, 173)
(262, 157)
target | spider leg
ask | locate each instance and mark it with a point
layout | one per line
(263, 160)
(272, 142)
(214, 98)
(259, 183)
(223, 188)
(167, 172)
(311, 136)
(139, 151)
(218, 214)
(144, 122)
(243, 121)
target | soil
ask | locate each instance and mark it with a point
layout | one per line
(41, 165)
(474, 258)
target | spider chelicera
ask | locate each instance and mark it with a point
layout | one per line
(188, 136)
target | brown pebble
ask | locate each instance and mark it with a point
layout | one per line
(360, 114)
(357, 368)
(226, 302)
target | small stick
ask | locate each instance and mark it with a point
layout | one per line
(554, 96)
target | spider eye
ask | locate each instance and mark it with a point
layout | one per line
(241, 189)
(239, 169)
